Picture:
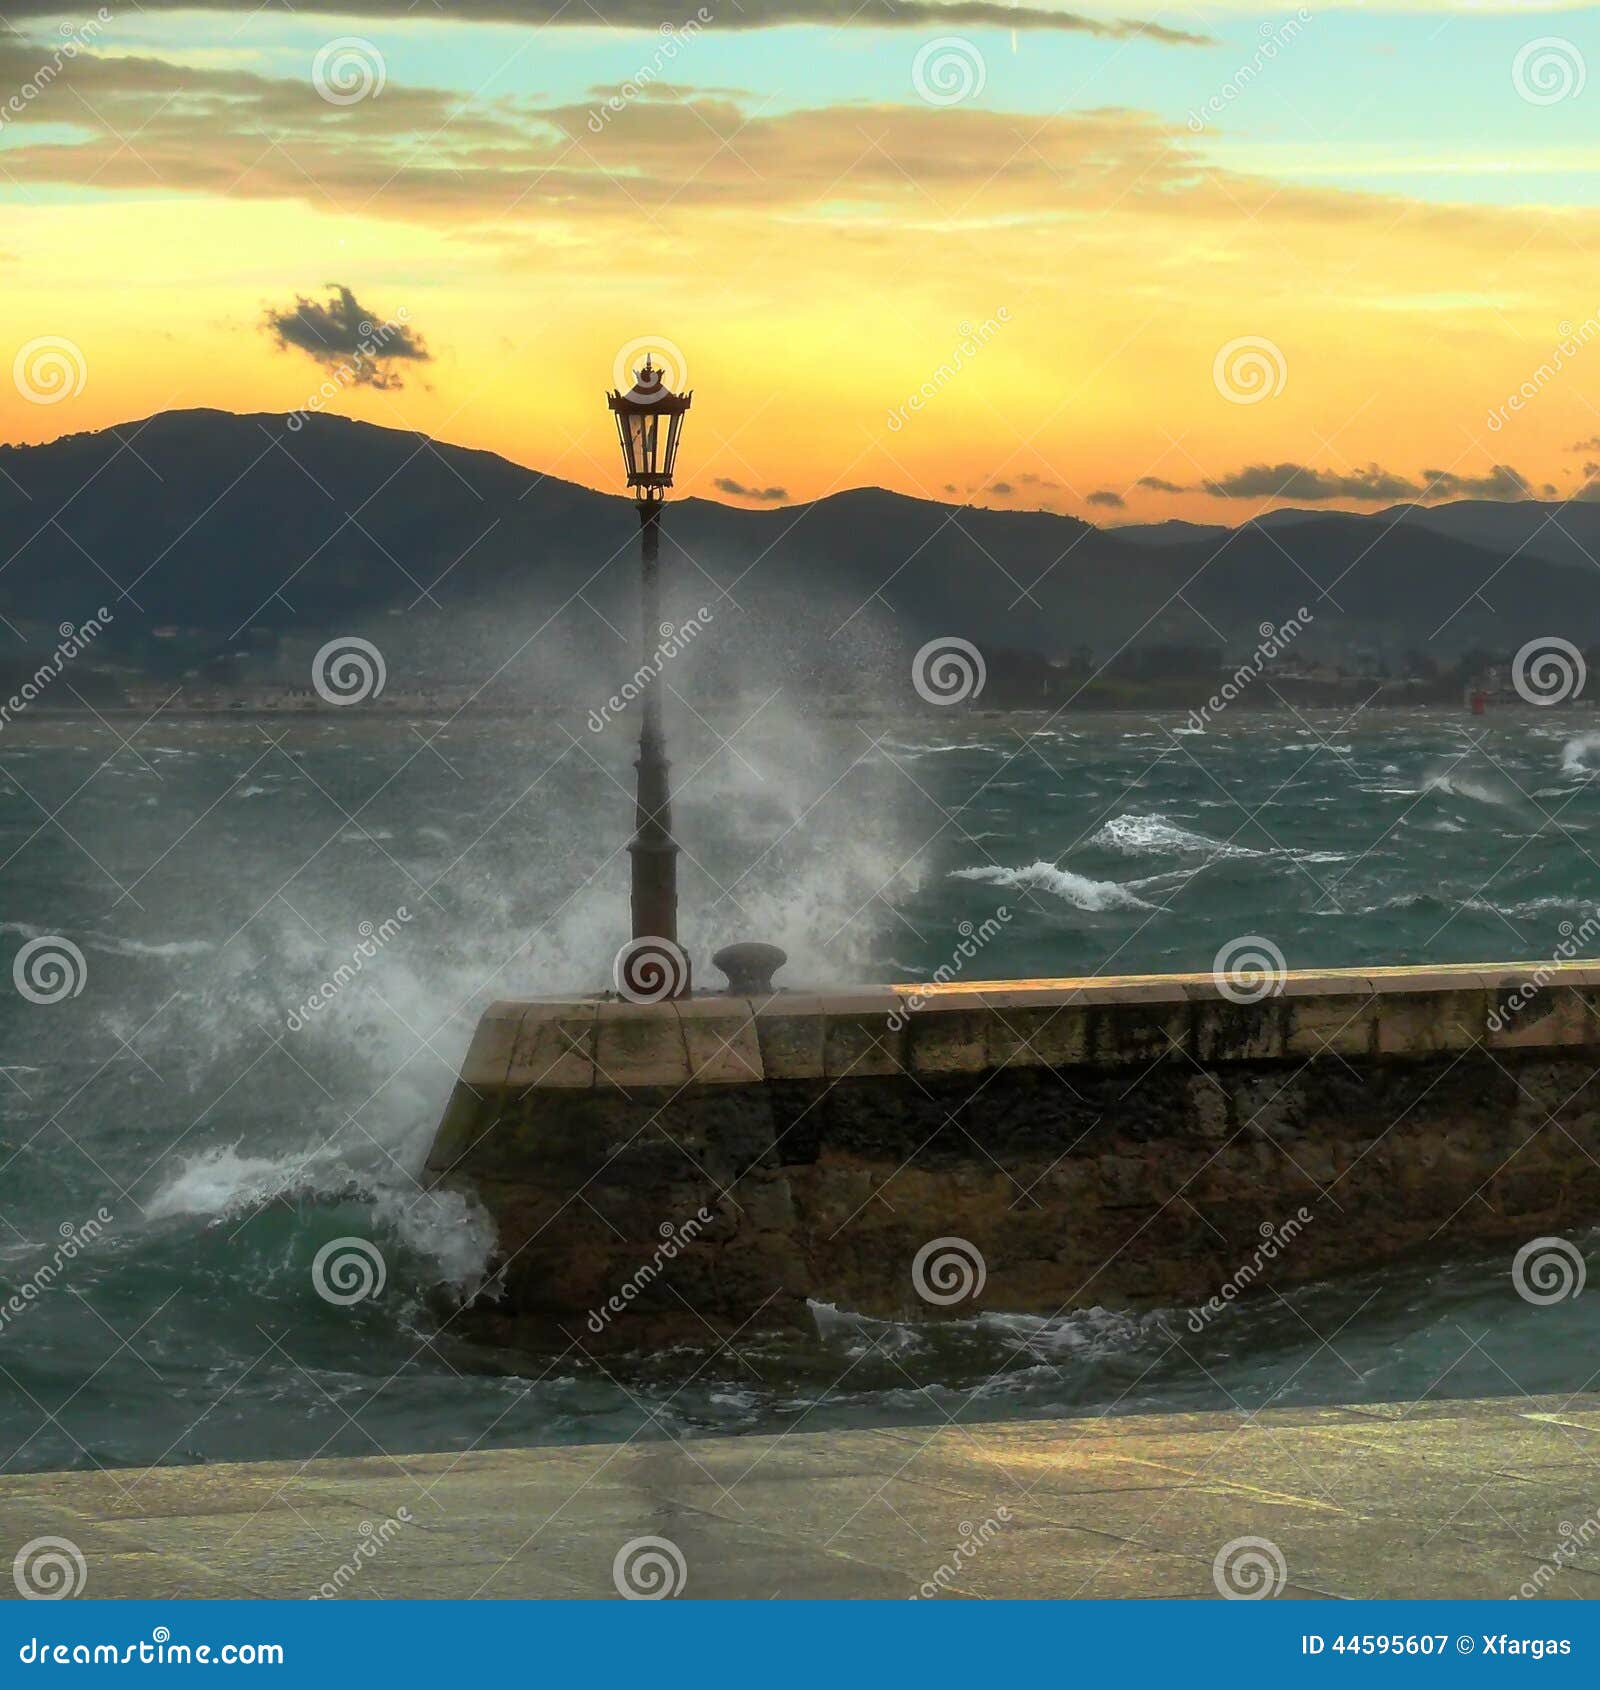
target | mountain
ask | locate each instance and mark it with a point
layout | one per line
(218, 539)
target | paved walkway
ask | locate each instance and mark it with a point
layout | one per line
(1471, 1499)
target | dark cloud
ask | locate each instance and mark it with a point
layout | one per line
(342, 334)
(1300, 481)
(650, 14)
(1001, 489)
(764, 495)
(1372, 485)
(1502, 482)
(1113, 501)
(1157, 485)
(1590, 445)
(1031, 480)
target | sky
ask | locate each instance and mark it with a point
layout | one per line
(1123, 262)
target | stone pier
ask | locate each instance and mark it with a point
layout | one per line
(665, 1172)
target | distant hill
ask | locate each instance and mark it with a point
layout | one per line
(236, 535)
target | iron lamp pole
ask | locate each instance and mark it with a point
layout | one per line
(650, 425)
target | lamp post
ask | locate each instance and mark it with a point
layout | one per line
(649, 425)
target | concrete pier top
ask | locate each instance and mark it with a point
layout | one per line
(1436, 1499)
(564, 1044)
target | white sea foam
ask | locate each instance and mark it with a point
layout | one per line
(1155, 836)
(1076, 889)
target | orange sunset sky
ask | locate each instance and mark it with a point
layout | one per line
(1206, 260)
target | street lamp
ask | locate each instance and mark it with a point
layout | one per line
(650, 425)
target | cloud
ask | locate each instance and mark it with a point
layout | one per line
(764, 495)
(1157, 485)
(342, 334)
(1300, 481)
(1001, 489)
(647, 15)
(1112, 501)
(1592, 444)
(1372, 485)
(1502, 482)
